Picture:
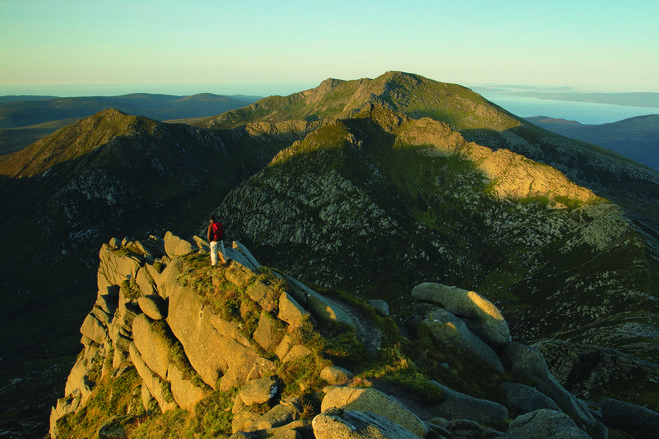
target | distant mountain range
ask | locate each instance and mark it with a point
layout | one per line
(636, 137)
(25, 119)
(368, 187)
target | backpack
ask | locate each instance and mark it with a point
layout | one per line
(217, 231)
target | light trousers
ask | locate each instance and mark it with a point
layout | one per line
(214, 250)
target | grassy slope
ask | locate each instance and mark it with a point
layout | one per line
(530, 259)
(401, 365)
(476, 118)
(499, 260)
(444, 195)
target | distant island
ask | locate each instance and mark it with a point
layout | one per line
(629, 99)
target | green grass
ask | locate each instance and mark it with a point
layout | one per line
(453, 368)
(211, 418)
(408, 364)
(399, 362)
(118, 401)
(110, 398)
(130, 289)
(212, 415)
(397, 369)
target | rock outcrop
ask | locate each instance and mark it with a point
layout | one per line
(640, 422)
(257, 338)
(374, 401)
(380, 185)
(345, 424)
(447, 329)
(481, 315)
(545, 424)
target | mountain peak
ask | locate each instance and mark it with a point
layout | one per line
(380, 184)
(409, 94)
(111, 113)
(380, 130)
(68, 143)
(401, 77)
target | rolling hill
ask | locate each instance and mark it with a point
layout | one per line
(26, 119)
(636, 137)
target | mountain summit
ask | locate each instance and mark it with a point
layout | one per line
(368, 187)
(406, 93)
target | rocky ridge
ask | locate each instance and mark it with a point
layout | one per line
(105, 174)
(181, 335)
(335, 206)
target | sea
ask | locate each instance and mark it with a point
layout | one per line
(582, 112)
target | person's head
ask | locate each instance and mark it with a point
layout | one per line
(212, 218)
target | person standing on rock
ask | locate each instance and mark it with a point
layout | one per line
(214, 235)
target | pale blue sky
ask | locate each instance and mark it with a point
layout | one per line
(83, 47)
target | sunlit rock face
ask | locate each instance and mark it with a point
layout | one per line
(182, 350)
(481, 315)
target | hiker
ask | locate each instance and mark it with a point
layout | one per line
(214, 235)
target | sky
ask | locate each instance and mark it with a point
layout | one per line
(259, 47)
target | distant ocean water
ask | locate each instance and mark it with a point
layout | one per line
(583, 112)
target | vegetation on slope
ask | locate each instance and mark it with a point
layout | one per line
(124, 175)
(402, 364)
(355, 207)
(409, 94)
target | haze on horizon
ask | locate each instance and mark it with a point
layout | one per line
(83, 48)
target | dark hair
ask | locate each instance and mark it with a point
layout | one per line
(212, 218)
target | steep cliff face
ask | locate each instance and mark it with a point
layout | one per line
(174, 347)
